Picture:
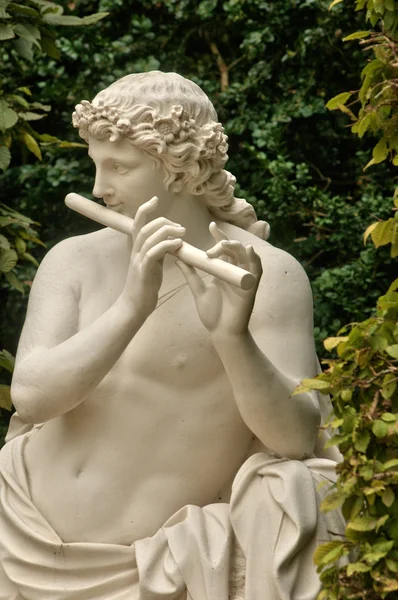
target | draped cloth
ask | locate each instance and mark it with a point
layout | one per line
(273, 517)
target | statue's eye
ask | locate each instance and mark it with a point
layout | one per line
(121, 169)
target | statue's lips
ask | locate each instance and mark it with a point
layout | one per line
(113, 205)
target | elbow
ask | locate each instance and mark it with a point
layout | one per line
(300, 443)
(27, 404)
(307, 434)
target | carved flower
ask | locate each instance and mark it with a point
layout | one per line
(124, 125)
(167, 127)
(213, 140)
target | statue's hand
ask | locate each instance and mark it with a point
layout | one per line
(151, 242)
(225, 309)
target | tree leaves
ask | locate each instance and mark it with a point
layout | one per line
(5, 397)
(8, 117)
(337, 101)
(5, 157)
(31, 144)
(8, 260)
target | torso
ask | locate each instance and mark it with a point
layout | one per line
(161, 431)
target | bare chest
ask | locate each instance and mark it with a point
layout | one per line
(172, 346)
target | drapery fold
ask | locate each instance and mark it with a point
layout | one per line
(273, 513)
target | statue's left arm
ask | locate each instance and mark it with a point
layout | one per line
(265, 362)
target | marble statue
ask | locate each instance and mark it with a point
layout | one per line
(157, 451)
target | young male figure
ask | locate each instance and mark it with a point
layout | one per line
(151, 393)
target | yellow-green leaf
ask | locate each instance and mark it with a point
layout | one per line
(368, 231)
(335, 102)
(316, 384)
(334, 3)
(388, 497)
(32, 145)
(8, 260)
(357, 567)
(358, 35)
(382, 233)
(380, 151)
(5, 397)
(324, 549)
(392, 350)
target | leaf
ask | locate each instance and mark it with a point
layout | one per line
(20, 245)
(379, 428)
(19, 99)
(392, 565)
(332, 501)
(7, 361)
(24, 48)
(6, 32)
(332, 342)
(5, 397)
(31, 116)
(23, 10)
(4, 243)
(5, 157)
(358, 35)
(361, 442)
(30, 258)
(94, 18)
(366, 523)
(390, 464)
(49, 47)
(324, 549)
(388, 497)
(382, 233)
(29, 32)
(392, 350)
(59, 19)
(357, 567)
(334, 3)
(335, 102)
(380, 151)
(316, 384)
(25, 90)
(368, 231)
(8, 260)
(32, 145)
(389, 417)
(14, 282)
(8, 117)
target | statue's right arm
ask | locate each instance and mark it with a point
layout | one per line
(57, 364)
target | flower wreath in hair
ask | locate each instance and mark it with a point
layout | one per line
(168, 130)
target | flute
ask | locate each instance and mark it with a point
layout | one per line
(187, 253)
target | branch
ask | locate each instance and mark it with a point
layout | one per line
(221, 66)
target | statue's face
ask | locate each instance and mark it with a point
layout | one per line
(126, 177)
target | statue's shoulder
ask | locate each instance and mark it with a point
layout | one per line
(79, 249)
(72, 259)
(275, 262)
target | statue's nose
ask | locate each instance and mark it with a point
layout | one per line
(101, 187)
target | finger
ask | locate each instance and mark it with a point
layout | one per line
(256, 266)
(194, 281)
(141, 216)
(231, 248)
(150, 228)
(164, 233)
(217, 233)
(159, 251)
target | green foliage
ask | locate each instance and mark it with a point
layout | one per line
(363, 383)
(26, 32)
(378, 94)
(263, 66)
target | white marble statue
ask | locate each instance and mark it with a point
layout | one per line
(163, 455)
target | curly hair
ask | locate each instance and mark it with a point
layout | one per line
(173, 120)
